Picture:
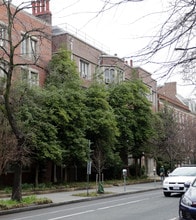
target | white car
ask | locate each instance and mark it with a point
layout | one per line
(174, 183)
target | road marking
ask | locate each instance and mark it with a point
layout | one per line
(121, 204)
(85, 206)
(103, 208)
(67, 216)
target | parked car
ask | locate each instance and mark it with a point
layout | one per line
(187, 205)
(174, 183)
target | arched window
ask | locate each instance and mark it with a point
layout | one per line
(109, 74)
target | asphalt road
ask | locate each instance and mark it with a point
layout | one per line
(150, 205)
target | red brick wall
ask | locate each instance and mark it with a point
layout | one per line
(25, 22)
(80, 49)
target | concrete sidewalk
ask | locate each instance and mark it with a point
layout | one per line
(61, 198)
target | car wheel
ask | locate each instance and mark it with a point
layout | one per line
(182, 215)
(167, 194)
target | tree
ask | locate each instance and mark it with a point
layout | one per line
(7, 145)
(169, 144)
(68, 108)
(186, 139)
(37, 121)
(102, 128)
(111, 4)
(191, 141)
(10, 47)
(175, 38)
(134, 116)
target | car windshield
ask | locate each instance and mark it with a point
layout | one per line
(184, 171)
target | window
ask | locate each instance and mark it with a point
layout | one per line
(29, 47)
(109, 75)
(84, 69)
(2, 76)
(34, 78)
(150, 95)
(2, 35)
(120, 75)
(29, 76)
(2, 67)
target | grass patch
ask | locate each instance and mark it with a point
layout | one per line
(26, 188)
(91, 194)
(26, 201)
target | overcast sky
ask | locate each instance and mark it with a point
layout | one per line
(122, 30)
(117, 28)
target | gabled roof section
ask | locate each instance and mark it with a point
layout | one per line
(168, 93)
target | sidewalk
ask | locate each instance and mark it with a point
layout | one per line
(61, 198)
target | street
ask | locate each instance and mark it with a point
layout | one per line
(151, 205)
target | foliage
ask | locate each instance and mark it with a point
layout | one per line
(36, 118)
(8, 141)
(62, 70)
(11, 63)
(102, 127)
(29, 200)
(66, 104)
(133, 115)
(168, 143)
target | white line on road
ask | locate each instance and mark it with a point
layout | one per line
(67, 216)
(83, 206)
(121, 204)
(107, 207)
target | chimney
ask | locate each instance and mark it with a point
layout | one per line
(41, 9)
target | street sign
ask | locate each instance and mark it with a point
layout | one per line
(89, 167)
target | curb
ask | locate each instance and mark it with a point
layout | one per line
(35, 207)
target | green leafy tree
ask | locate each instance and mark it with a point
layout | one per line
(102, 128)
(7, 144)
(67, 106)
(37, 122)
(133, 113)
(10, 62)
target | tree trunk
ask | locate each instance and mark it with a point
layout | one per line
(55, 178)
(17, 186)
(36, 174)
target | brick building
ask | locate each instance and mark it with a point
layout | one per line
(31, 39)
(94, 63)
(36, 50)
(91, 61)
(185, 118)
(147, 79)
(25, 46)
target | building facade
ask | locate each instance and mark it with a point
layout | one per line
(25, 50)
(30, 39)
(96, 64)
(35, 40)
(185, 119)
